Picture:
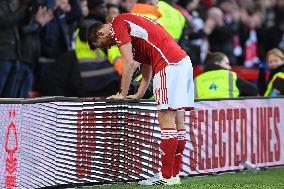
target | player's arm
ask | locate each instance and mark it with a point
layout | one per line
(128, 67)
(146, 78)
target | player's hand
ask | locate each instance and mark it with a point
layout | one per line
(134, 97)
(117, 96)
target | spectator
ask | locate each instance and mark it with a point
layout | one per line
(194, 37)
(224, 37)
(84, 7)
(274, 37)
(56, 36)
(250, 33)
(98, 10)
(11, 13)
(36, 17)
(127, 5)
(65, 13)
(275, 62)
(147, 8)
(217, 81)
(81, 72)
(172, 20)
(267, 7)
(112, 11)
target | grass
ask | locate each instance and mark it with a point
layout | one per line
(265, 179)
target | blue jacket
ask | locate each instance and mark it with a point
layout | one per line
(57, 34)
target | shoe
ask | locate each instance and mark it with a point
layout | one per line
(156, 180)
(176, 180)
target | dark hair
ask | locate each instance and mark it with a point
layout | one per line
(184, 3)
(92, 4)
(83, 25)
(143, 1)
(211, 58)
(92, 34)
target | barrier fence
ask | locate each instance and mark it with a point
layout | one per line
(51, 142)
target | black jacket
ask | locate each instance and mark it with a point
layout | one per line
(278, 83)
(245, 88)
(63, 79)
(10, 15)
(29, 31)
(222, 40)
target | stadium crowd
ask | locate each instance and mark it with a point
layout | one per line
(44, 51)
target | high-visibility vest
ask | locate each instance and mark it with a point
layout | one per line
(114, 57)
(216, 84)
(172, 20)
(270, 91)
(95, 70)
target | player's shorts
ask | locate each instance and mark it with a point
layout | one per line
(173, 86)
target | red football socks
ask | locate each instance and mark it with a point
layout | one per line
(179, 152)
(168, 147)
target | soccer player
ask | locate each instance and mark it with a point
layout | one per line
(142, 40)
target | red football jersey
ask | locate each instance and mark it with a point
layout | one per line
(151, 44)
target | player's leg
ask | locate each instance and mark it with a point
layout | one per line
(169, 141)
(168, 147)
(181, 97)
(181, 131)
(171, 90)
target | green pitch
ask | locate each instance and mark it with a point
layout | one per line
(265, 179)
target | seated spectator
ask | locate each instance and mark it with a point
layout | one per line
(275, 62)
(217, 81)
